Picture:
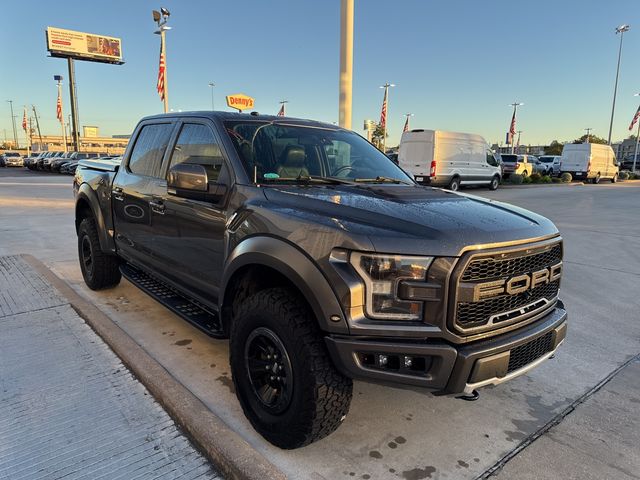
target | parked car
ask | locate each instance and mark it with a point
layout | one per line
(28, 161)
(47, 158)
(322, 261)
(448, 159)
(590, 161)
(58, 162)
(552, 163)
(519, 164)
(12, 159)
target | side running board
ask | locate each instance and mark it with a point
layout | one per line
(181, 305)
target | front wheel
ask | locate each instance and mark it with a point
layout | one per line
(285, 382)
(525, 174)
(99, 269)
(495, 182)
(615, 178)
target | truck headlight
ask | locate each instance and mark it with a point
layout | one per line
(381, 275)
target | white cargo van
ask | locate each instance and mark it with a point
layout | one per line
(448, 159)
(589, 161)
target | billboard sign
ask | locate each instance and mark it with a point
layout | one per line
(240, 101)
(84, 46)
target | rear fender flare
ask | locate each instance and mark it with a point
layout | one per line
(298, 268)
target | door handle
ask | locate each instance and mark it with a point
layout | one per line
(117, 194)
(157, 207)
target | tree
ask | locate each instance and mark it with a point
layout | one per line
(592, 139)
(377, 136)
(554, 148)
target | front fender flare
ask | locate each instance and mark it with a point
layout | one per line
(298, 268)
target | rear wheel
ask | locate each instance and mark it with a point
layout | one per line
(596, 179)
(495, 182)
(454, 184)
(525, 174)
(285, 382)
(99, 269)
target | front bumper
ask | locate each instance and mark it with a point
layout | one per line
(444, 368)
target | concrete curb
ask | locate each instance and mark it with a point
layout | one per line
(229, 452)
(536, 185)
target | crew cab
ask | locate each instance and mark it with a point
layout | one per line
(322, 261)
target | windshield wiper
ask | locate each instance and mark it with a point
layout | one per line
(380, 180)
(309, 179)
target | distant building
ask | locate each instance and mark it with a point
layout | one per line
(55, 143)
(624, 149)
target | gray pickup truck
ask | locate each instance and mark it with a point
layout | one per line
(322, 261)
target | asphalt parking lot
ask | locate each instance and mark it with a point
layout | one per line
(392, 433)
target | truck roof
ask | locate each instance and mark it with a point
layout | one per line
(249, 117)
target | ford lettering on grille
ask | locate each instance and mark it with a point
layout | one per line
(518, 283)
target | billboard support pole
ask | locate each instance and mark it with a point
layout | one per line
(74, 105)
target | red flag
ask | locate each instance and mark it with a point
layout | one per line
(406, 125)
(59, 108)
(512, 130)
(161, 68)
(281, 111)
(383, 113)
(24, 119)
(635, 119)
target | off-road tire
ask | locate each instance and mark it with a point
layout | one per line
(103, 270)
(320, 395)
(495, 183)
(454, 184)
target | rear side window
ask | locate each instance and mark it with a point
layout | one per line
(146, 157)
(197, 145)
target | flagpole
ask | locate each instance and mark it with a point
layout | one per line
(385, 106)
(164, 51)
(61, 119)
(515, 106)
(635, 154)
(161, 18)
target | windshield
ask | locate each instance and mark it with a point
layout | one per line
(11, 154)
(509, 158)
(276, 153)
(546, 159)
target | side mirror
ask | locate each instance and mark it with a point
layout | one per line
(189, 180)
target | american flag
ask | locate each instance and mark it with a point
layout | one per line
(59, 108)
(512, 130)
(24, 119)
(635, 119)
(383, 113)
(281, 111)
(161, 73)
(406, 125)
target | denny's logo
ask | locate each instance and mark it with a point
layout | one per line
(240, 101)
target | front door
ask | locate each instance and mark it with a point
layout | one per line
(193, 253)
(132, 190)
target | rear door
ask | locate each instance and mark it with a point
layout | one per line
(132, 189)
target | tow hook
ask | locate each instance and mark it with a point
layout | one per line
(471, 397)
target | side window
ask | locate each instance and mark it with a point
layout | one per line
(491, 160)
(196, 144)
(146, 157)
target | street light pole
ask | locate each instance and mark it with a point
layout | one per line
(635, 153)
(619, 30)
(346, 63)
(211, 84)
(386, 113)
(13, 123)
(515, 106)
(588, 130)
(161, 18)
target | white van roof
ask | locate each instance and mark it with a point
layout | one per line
(421, 135)
(586, 147)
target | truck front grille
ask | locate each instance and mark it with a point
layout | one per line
(505, 307)
(474, 313)
(490, 268)
(530, 352)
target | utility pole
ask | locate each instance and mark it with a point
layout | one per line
(211, 84)
(35, 114)
(619, 30)
(161, 19)
(588, 130)
(13, 123)
(346, 63)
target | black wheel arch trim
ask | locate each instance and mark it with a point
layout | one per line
(288, 260)
(87, 195)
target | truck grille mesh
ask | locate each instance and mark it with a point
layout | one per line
(530, 352)
(488, 268)
(474, 314)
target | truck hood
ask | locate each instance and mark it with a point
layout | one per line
(411, 219)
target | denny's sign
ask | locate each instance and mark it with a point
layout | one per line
(240, 101)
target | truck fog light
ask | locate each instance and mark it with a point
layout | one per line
(383, 360)
(408, 361)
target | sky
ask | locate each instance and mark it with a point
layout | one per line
(457, 65)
